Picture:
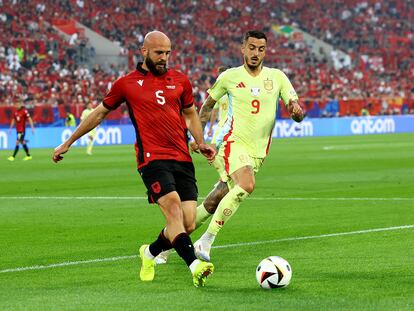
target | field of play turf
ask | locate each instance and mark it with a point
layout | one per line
(339, 209)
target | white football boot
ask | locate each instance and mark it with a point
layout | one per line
(202, 249)
(162, 257)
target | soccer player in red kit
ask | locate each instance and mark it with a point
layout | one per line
(160, 104)
(20, 117)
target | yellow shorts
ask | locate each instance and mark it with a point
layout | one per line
(233, 156)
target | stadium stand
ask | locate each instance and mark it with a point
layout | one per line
(55, 72)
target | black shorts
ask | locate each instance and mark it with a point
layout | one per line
(165, 176)
(20, 136)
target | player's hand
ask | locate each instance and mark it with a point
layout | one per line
(207, 151)
(296, 111)
(210, 132)
(194, 147)
(59, 150)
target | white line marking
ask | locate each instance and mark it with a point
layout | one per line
(68, 263)
(251, 198)
(315, 236)
(81, 262)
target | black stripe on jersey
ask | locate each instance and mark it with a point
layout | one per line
(139, 141)
(108, 107)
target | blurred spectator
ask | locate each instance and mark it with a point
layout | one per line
(70, 119)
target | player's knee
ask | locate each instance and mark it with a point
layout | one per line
(189, 228)
(248, 185)
(173, 210)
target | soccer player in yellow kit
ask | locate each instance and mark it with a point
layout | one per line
(243, 142)
(91, 135)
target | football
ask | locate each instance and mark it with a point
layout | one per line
(273, 272)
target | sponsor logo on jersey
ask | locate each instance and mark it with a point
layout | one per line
(171, 87)
(140, 82)
(240, 85)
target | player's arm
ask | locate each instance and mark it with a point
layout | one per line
(205, 111)
(290, 98)
(93, 120)
(31, 123)
(194, 126)
(295, 110)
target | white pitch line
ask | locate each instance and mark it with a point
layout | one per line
(68, 263)
(81, 262)
(251, 198)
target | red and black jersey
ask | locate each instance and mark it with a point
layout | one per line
(21, 116)
(155, 104)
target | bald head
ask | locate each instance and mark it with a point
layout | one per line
(156, 51)
(154, 38)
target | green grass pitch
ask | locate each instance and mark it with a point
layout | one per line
(316, 203)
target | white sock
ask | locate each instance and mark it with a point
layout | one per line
(193, 265)
(148, 254)
(208, 237)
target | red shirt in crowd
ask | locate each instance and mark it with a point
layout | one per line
(155, 104)
(20, 116)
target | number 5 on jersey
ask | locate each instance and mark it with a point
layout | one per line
(160, 97)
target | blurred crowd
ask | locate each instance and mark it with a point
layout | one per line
(377, 35)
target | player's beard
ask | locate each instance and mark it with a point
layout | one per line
(252, 67)
(152, 66)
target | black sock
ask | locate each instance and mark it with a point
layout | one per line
(161, 244)
(15, 151)
(26, 149)
(184, 247)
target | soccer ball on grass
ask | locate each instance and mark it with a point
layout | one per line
(273, 272)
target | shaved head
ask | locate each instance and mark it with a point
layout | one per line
(156, 51)
(155, 38)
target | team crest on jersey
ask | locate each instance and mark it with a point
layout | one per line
(255, 91)
(268, 84)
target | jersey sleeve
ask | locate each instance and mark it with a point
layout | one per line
(115, 97)
(187, 98)
(218, 89)
(287, 92)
